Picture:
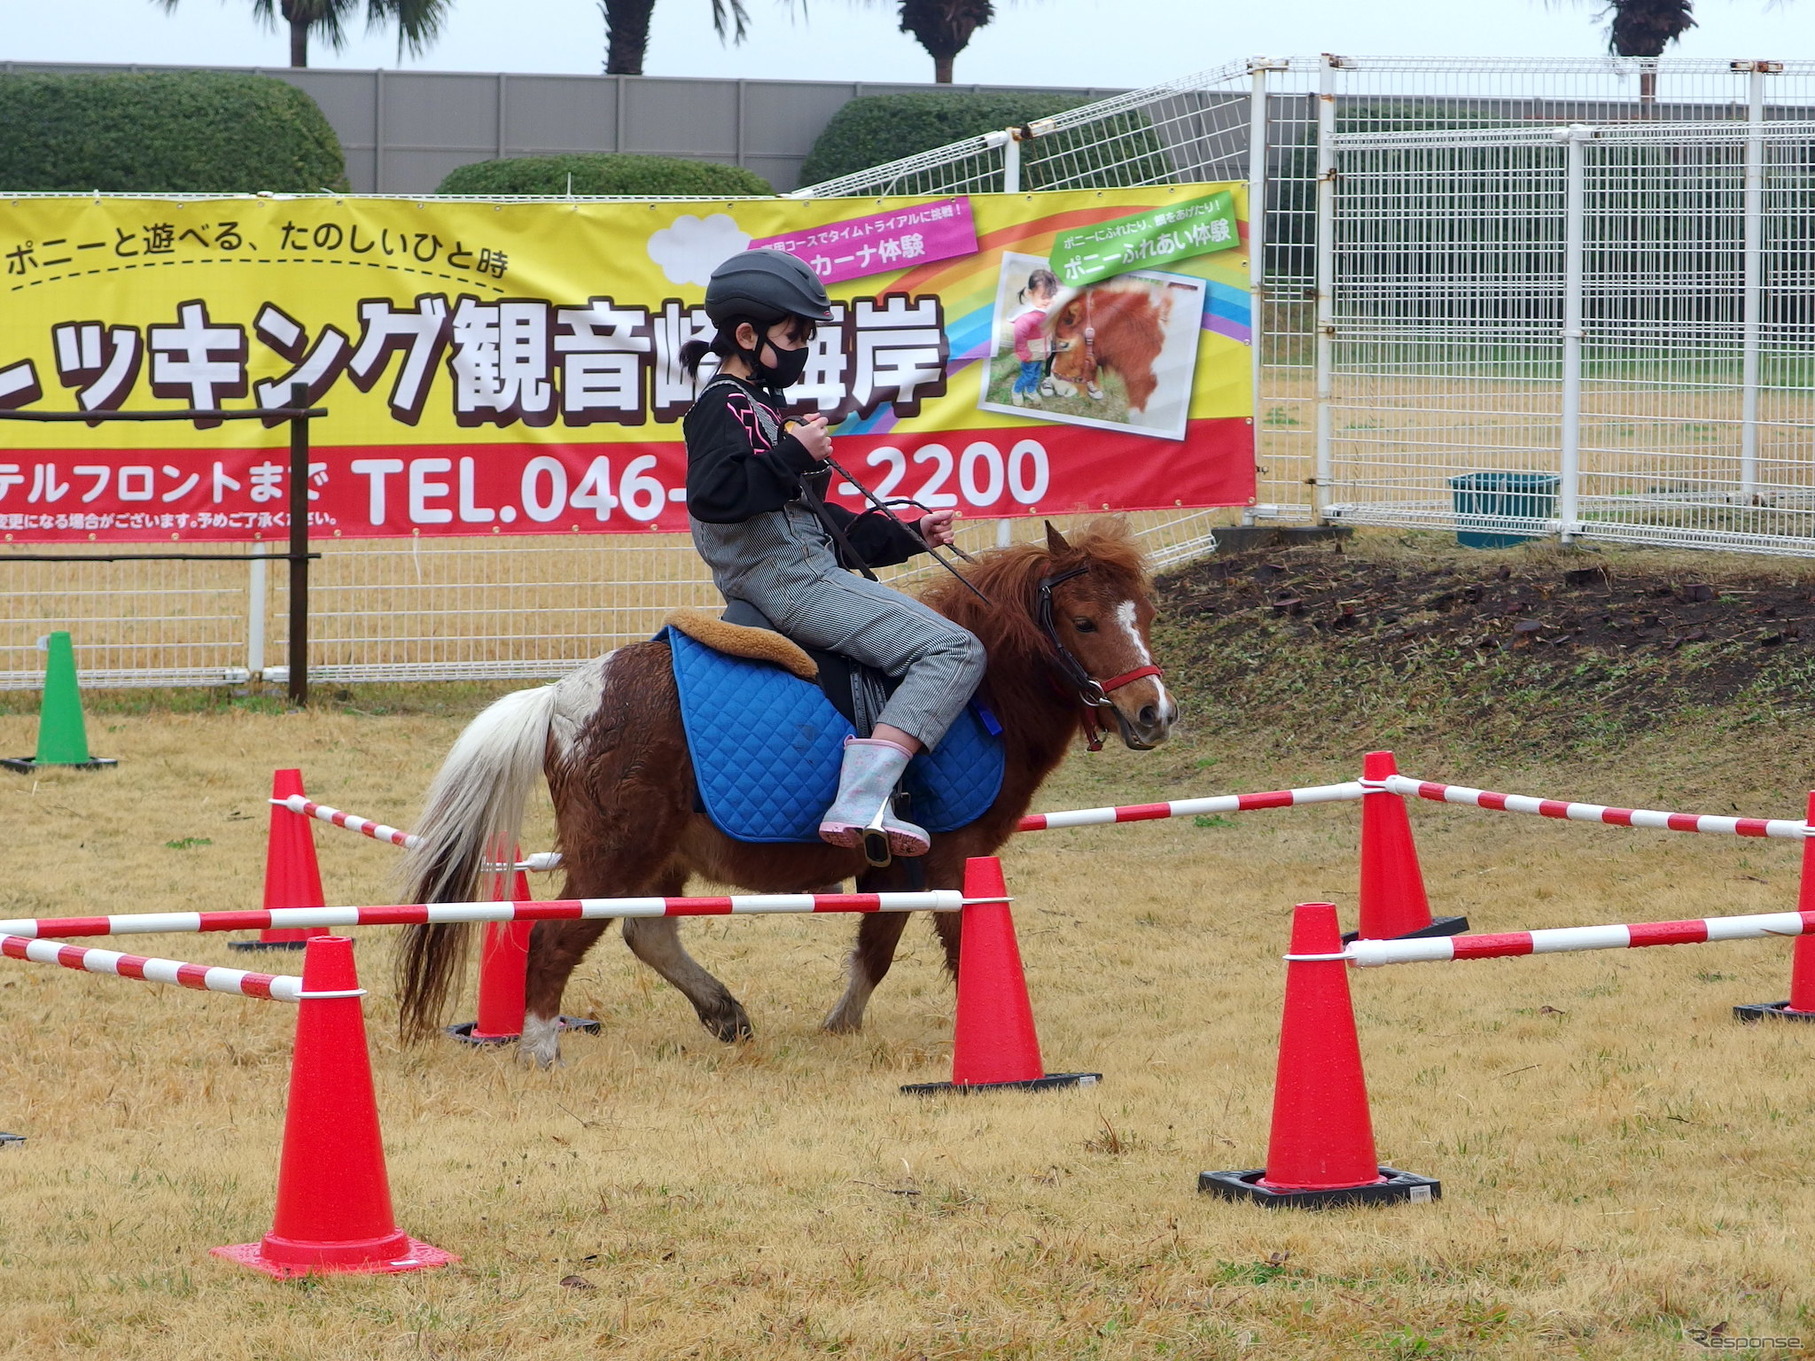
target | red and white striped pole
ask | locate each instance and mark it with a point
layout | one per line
(1184, 808)
(413, 914)
(1785, 828)
(379, 831)
(1370, 954)
(150, 969)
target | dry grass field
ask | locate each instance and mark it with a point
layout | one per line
(1621, 1162)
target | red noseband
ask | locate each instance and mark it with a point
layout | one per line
(1128, 678)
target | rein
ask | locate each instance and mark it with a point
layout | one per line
(1092, 693)
(1090, 338)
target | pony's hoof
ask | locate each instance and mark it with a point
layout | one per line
(732, 1028)
(540, 1043)
(837, 1022)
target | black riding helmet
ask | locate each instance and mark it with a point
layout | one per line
(763, 286)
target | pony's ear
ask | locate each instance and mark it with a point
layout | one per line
(1055, 541)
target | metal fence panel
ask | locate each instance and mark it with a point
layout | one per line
(1600, 331)
(425, 609)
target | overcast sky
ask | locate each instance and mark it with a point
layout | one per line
(1032, 42)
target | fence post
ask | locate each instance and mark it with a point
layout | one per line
(255, 613)
(1011, 164)
(299, 545)
(1568, 492)
(1257, 226)
(1325, 283)
(1752, 272)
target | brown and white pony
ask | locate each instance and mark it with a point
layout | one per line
(608, 738)
(1118, 326)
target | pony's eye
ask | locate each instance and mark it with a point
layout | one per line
(1084, 625)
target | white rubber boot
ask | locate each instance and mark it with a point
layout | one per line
(862, 810)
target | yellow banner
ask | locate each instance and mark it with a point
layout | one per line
(512, 368)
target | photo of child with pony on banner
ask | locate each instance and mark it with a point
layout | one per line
(1119, 354)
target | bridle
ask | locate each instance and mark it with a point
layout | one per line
(1090, 341)
(1092, 693)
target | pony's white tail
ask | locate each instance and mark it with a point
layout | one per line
(472, 818)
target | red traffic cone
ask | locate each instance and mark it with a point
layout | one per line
(504, 978)
(1801, 1006)
(292, 878)
(993, 1043)
(1321, 1152)
(333, 1196)
(1393, 904)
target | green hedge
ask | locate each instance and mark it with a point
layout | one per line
(632, 176)
(877, 129)
(176, 132)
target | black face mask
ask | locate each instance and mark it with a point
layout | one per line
(788, 367)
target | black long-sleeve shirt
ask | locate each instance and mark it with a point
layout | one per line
(735, 473)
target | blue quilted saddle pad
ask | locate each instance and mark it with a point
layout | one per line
(767, 746)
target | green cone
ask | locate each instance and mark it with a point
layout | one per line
(62, 739)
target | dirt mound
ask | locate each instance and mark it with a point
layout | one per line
(1505, 649)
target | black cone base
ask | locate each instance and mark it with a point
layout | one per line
(25, 765)
(1398, 1186)
(1440, 926)
(1038, 1084)
(267, 944)
(1778, 1011)
(567, 1025)
(6, 1139)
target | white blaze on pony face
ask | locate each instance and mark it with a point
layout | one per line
(1126, 620)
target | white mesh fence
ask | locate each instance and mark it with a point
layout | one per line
(1387, 364)
(421, 609)
(1599, 329)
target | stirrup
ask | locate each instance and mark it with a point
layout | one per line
(875, 842)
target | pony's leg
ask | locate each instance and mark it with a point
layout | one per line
(880, 932)
(555, 950)
(657, 942)
(877, 935)
(872, 953)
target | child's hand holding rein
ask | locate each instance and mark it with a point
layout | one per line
(936, 528)
(812, 435)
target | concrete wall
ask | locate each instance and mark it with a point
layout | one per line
(404, 130)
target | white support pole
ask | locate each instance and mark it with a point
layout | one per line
(255, 613)
(1011, 184)
(1569, 493)
(1752, 271)
(1257, 229)
(1325, 282)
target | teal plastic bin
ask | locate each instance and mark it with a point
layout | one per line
(1485, 501)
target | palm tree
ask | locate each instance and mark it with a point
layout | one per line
(944, 28)
(418, 21)
(627, 30)
(1644, 28)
